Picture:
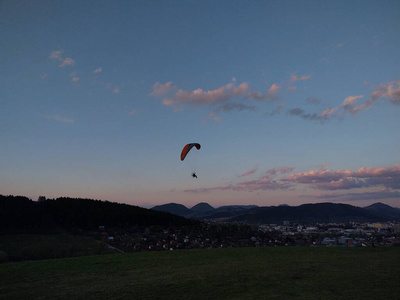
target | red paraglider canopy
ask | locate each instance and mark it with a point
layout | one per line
(187, 148)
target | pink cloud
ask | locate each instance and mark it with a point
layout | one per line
(388, 177)
(264, 183)
(224, 94)
(160, 90)
(66, 62)
(98, 70)
(249, 172)
(282, 170)
(56, 54)
(321, 179)
(350, 105)
(294, 78)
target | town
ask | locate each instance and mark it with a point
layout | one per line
(220, 235)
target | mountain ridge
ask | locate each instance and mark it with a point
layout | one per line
(305, 213)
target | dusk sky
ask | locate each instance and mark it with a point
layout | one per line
(292, 101)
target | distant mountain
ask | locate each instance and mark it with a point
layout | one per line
(174, 208)
(306, 213)
(384, 210)
(202, 207)
(312, 213)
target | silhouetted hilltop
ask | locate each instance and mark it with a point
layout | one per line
(173, 208)
(21, 213)
(384, 210)
(202, 207)
(313, 213)
(306, 213)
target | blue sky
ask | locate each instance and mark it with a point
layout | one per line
(292, 101)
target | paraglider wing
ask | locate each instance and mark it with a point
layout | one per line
(187, 148)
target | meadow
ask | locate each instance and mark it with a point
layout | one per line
(232, 273)
(18, 247)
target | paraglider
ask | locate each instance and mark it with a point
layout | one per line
(186, 150)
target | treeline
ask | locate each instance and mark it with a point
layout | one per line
(21, 213)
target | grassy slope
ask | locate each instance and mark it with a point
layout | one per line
(17, 247)
(241, 273)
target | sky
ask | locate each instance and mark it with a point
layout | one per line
(292, 102)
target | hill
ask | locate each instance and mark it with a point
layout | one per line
(20, 213)
(384, 210)
(173, 208)
(202, 207)
(313, 213)
(306, 213)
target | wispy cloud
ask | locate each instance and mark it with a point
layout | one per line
(62, 119)
(55, 54)
(74, 78)
(351, 105)
(276, 111)
(281, 170)
(294, 78)
(65, 61)
(249, 172)
(264, 183)
(98, 70)
(388, 177)
(223, 95)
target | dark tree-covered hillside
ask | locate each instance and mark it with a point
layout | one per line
(21, 213)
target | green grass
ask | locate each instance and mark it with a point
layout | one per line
(240, 273)
(17, 247)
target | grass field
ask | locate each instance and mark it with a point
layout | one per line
(17, 247)
(239, 273)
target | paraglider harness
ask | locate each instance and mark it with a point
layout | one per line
(194, 175)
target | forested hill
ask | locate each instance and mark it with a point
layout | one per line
(21, 213)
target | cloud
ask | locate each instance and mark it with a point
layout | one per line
(268, 182)
(350, 105)
(223, 95)
(282, 170)
(322, 179)
(55, 54)
(65, 61)
(277, 110)
(98, 70)
(294, 78)
(264, 183)
(160, 90)
(388, 177)
(249, 172)
(74, 78)
(306, 116)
